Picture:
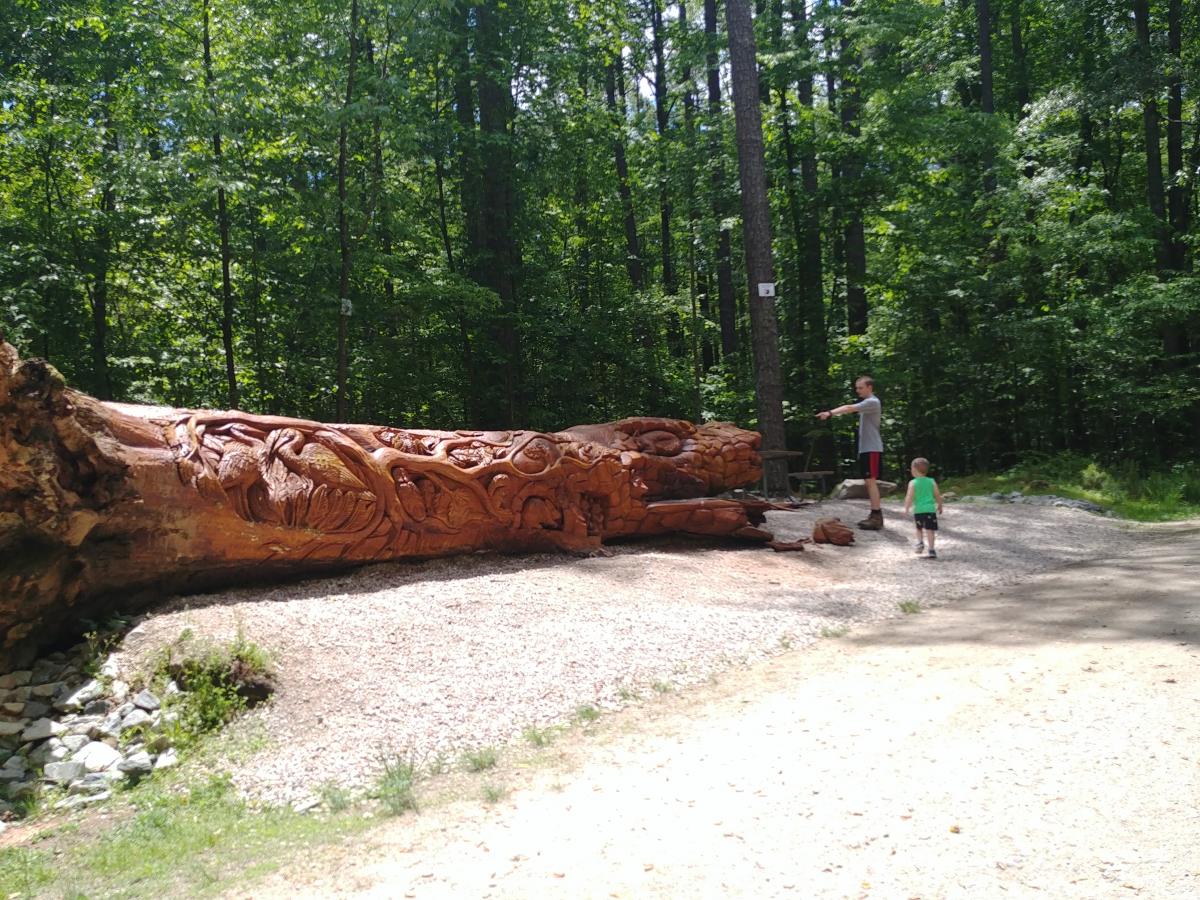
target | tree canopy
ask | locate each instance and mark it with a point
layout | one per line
(496, 213)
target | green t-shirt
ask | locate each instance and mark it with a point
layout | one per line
(924, 499)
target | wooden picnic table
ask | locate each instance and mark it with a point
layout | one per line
(800, 477)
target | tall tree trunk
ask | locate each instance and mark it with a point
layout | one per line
(987, 101)
(850, 194)
(1177, 209)
(702, 356)
(795, 312)
(499, 214)
(726, 302)
(661, 120)
(756, 219)
(613, 74)
(1150, 127)
(1020, 58)
(343, 400)
(811, 271)
(222, 219)
(103, 247)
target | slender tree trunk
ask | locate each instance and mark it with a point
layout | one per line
(854, 239)
(499, 220)
(1177, 210)
(987, 101)
(726, 302)
(633, 256)
(811, 276)
(756, 219)
(701, 347)
(1151, 129)
(1020, 58)
(103, 248)
(661, 120)
(343, 404)
(795, 317)
(222, 220)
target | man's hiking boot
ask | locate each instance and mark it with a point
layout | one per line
(873, 522)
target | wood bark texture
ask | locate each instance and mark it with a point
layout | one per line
(105, 507)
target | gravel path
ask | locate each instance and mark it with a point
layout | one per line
(436, 657)
(1034, 742)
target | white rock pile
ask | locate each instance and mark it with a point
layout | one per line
(1045, 500)
(81, 734)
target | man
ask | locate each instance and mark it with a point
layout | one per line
(870, 444)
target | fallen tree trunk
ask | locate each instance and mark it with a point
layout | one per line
(107, 506)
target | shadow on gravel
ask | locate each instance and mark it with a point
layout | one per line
(1151, 594)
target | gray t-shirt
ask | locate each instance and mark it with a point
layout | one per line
(870, 412)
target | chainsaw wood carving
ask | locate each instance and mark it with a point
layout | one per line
(106, 505)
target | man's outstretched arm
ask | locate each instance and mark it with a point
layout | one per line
(840, 410)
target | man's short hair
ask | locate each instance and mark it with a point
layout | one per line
(921, 464)
(865, 379)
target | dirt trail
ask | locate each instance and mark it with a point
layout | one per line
(1040, 741)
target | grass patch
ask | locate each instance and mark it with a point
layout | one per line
(480, 759)
(24, 871)
(587, 713)
(493, 793)
(1128, 490)
(168, 840)
(834, 632)
(626, 694)
(334, 797)
(785, 642)
(663, 687)
(909, 607)
(538, 737)
(396, 788)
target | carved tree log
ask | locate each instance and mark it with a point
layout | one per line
(108, 505)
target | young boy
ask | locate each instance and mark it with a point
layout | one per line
(924, 500)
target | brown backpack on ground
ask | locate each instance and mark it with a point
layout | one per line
(832, 531)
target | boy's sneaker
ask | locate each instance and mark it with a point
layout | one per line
(919, 548)
(932, 554)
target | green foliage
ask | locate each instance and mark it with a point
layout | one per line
(396, 787)
(479, 759)
(1017, 297)
(212, 678)
(1127, 488)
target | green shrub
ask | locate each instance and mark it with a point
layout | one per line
(217, 682)
(396, 788)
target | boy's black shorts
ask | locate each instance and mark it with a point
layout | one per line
(926, 521)
(870, 465)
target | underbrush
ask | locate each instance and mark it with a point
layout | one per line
(1127, 489)
(215, 682)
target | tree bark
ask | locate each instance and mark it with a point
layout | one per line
(1020, 58)
(500, 267)
(1177, 208)
(987, 101)
(756, 222)
(106, 507)
(849, 193)
(231, 385)
(1151, 129)
(633, 256)
(811, 276)
(343, 400)
(662, 123)
(726, 303)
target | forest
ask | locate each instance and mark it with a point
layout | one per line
(479, 213)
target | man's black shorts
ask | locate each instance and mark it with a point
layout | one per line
(926, 521)
(870, 465)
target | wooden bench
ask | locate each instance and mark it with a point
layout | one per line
(799, 477)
